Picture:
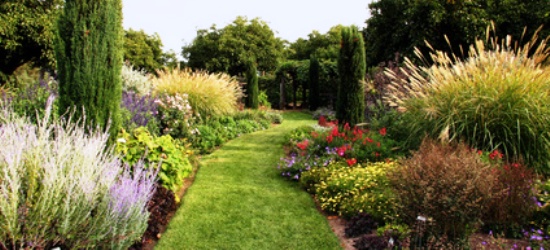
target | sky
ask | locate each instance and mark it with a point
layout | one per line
(177, 21)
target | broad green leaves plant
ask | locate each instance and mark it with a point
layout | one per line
(163, 153)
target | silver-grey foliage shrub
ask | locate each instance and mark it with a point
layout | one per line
(135, 80)
(59, 186)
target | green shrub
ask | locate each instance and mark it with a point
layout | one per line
(299, 134)
(263, 100)
(214, 131)
(449, 186)
(169, 156)
(275, 117)
(350, 190)
(176, 116)
(29, 98)
(208, 94)
(497, 98)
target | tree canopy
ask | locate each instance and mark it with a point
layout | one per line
(398, 26)
(322, 46)
(27, 33)
(228, 49)
(143, 51)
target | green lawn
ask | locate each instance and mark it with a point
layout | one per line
(238, 200)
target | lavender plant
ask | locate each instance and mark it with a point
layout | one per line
(60, 187)
(139, 111)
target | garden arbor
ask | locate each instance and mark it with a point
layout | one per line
(286, 74)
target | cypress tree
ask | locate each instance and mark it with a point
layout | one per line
(314, 94)
(350, 103)
(89, 61)
(252, 90)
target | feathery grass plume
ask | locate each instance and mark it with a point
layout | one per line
(209, 94)
(499, 97)
(59, 186)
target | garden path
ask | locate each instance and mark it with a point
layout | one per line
(239, 201)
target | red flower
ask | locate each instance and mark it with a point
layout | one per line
(303, 145)
(496, 154)
(347, 127)
(341, 150)
(329, 138)
(369, 140)
(378, 144)
(377, 154)
(351, 161)
(323, 121)
(382, 131)
(335, 131)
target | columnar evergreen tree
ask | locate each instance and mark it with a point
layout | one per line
(89, 50)
(314, 83)
(252, 90)
(350, 104)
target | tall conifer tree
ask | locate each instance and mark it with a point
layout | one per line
(89, 60)
(314, 94)
(252, 89)
(350, 103)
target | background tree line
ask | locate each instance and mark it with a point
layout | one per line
(394, 27)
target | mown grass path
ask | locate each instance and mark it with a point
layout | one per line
(238, 200)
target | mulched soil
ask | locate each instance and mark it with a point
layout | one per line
(162, 208)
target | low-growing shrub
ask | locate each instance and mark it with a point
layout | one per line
(212, 132)
(176, 115)
(359, 224)
(169, 156)
(299, 134)
(514, 203)
(349, 190)
(275, 118)
(448, 185)
(60, 187)
(134, 80)
(29, 98)
(326, 112)
(372, 242)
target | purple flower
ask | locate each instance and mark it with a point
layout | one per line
(141, 108)
(133, 190)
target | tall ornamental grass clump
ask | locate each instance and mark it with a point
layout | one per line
(209, 94)
(497, 98)
(60, 187)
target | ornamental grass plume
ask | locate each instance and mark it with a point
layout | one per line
(59, 186)
(497, 98)
(209, 94)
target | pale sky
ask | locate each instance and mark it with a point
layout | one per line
(177, 22)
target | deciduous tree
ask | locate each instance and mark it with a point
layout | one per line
(228, 49)
(27, 33)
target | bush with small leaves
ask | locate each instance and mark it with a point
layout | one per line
(447, 184)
